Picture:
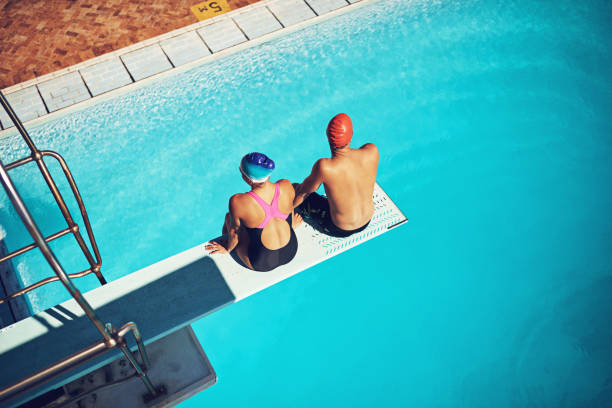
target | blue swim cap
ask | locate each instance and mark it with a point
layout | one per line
(256, 166)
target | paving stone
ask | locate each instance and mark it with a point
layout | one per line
(184, 48)
(26, 103)
(63, 91)
(5, 121)
(324, 6)
(221, 35)
(119, 23)
(105, 76)
(257, 22)
(146, 61)
(290, 12)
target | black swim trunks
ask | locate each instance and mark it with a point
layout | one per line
(316, 209)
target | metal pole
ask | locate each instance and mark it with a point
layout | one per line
(131, 326)
(46, 374)
(17, 122)
(28, 221)
(40, 283)
(122, 344)
(37, 156)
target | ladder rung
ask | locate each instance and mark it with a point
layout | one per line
(44, 282)
(33, 245)
(19, 162)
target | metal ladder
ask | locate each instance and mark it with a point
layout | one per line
(111, 337)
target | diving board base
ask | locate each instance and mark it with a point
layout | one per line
(179, 367)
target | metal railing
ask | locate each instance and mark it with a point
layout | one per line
(95, 262)
(110, 338)
(115, 338)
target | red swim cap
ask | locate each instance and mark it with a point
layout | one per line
(340, 130)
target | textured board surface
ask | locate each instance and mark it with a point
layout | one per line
(313, 247)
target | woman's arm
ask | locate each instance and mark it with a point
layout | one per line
(234, 224)
(232, 230)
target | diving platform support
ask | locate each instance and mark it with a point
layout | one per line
(163, 298)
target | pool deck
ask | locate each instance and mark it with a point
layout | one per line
(40, 37)
(182, 48)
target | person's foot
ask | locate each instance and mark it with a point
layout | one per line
(297, 220)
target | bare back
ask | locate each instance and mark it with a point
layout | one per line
(349, 178)
(277, 233)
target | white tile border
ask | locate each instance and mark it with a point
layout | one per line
(185, 67)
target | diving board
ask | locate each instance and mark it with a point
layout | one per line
(163, 298)
(313, 247)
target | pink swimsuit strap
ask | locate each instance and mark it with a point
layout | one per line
(271, 210)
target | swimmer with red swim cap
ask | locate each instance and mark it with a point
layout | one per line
(348, 178)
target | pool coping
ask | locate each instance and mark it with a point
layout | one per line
(34, 85)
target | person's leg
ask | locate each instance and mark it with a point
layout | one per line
(315, 206)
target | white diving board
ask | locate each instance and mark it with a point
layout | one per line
(163, 298)
(313, 247)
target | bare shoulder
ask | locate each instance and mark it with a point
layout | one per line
(237, 202)
(286, 188)
(370, 149)
(322, 166)
(285, 184)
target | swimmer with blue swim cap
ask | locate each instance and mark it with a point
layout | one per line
(257, 167)
(260, 222)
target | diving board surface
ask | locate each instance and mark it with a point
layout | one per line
(162, 298)
(313, 247)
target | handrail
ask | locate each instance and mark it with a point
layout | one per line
(84, 355)
(110, 337)
(95, 261)
(30, 224)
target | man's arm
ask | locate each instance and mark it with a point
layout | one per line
(310, 184)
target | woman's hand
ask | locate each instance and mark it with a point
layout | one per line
(216, 248)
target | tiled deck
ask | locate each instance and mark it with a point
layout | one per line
(38, 37)
(48, 93)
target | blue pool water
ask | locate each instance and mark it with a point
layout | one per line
(492, 119)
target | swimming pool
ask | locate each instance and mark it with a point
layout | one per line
(491, 119)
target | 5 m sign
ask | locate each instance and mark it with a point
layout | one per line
(210, 9)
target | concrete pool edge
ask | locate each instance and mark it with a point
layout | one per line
(37, 103)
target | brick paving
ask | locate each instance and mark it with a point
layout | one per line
(38, 37)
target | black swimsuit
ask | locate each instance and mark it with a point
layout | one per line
(264, 259)
(316, 208)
